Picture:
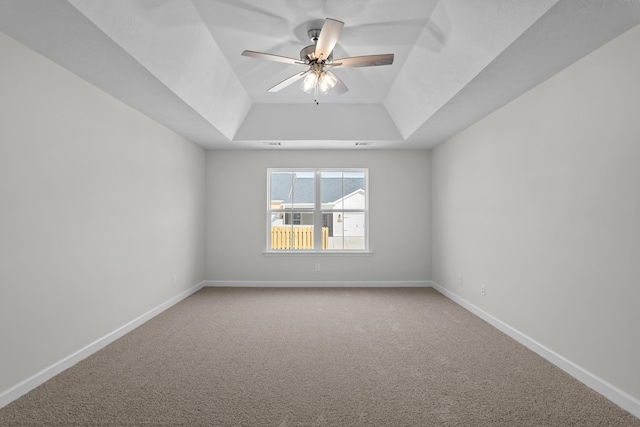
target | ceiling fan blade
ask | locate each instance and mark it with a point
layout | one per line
(328, 37)
(271, 57)
(288, 81)
(340, 87)
(363, 61)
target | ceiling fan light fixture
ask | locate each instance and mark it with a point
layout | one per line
(327, 81)
(310, 81)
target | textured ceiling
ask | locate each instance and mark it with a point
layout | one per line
(179, 62)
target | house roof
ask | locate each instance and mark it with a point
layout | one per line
(291, 188)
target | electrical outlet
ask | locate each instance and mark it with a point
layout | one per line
(483, 290)
(460, 280)
(317, 267)
(175, 281)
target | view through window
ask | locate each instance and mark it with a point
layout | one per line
(317, 210)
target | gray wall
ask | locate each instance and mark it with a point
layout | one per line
(399, 217)
(100, 207)
(540, 202)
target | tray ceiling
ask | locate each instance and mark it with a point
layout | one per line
(179, 62)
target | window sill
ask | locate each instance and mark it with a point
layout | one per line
(317, 253)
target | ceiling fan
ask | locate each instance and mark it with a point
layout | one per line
(319, 56)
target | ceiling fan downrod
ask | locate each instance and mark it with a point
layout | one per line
(314, 35)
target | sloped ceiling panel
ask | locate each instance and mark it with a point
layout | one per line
(170, 40)
(58, 31)
(515, 73)
(468, 37)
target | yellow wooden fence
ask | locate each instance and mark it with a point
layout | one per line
(282, 237)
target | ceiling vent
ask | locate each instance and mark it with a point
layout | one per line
(363, 143)
(274, 144)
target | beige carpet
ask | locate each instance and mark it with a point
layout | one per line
(314, 357)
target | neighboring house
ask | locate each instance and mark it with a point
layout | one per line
(348, 223)
(293, 192)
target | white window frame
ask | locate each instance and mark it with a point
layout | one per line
(317, 211)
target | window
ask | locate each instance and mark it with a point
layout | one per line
(319, 210)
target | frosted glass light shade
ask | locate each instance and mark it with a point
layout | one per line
(309, 82)
(327, 81)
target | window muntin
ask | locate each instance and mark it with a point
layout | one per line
(320, 210)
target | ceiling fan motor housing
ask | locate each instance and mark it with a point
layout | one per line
(308, 55)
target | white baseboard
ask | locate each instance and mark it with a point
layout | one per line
(617, 396)
(317, 284)
(46, 374)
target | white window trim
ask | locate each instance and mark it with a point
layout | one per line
(317, 217)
